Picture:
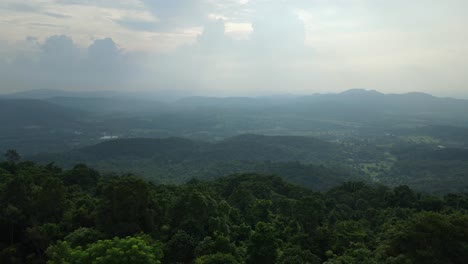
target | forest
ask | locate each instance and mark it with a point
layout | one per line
(51, 215)
(352, 178)
(317, 141)
(314, 163)
(233, 132)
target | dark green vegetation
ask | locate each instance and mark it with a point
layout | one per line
(333, 156)
(317, 141)
(176, 160)
(310, 162)
(80, 216)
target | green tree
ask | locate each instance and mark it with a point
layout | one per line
(218, 244)
(180, 249)
(41, 236)
(125, 207)
(295, 255)
(428, 238)
(12, 155)
(356, 254)
(192, 212)
(310, 212)
(50, 198)
(83, 236)
(262, 247)
(260, 211)
(347, 233)
(81, 175)
(218, 258)
(135, 250)
(402, 196)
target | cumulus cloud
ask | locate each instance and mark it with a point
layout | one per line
(59, 63)
(213, 63)
(270, 59)
(180, 13)
(234, 46)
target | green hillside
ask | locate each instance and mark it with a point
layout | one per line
(50, 215)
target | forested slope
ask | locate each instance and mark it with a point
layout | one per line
(421, 162)
(79, 216)
(176, 160)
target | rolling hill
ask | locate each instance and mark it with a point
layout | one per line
(30, 112)
(177, 160)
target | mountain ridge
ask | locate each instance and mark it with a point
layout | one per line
(51, 93)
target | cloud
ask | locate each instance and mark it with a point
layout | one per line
(138, 24)
(23, 7)
(120, 4)
(56, 15)
(267, 60)
(59, 48)
(214, 63)
(60, 63)
(213, 38)
(103, 50)
(235, 46)
(178, 14)
(104, 61)
(194, 13)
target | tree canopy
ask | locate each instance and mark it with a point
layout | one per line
(51, 215)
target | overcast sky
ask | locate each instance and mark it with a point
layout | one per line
(235, 47)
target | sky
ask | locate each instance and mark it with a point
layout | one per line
(235, 47)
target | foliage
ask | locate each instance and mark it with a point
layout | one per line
(138, 250)
(80, 216)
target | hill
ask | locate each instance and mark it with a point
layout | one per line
(31, 126)
(304, 160)
(81, 216)
(274, 148)
(50, 93)
(108, 105)
(29, 112)
(244, 147)
(177, 160)
(370, 106)
(165, 149)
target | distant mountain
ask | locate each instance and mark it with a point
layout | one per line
(368, 106)
(356, 104)
(239, 103)
(98, 102)
(335, 117)
(33, 126)
(50, 93)
(30, 112)
(361, 93)
(104, 105)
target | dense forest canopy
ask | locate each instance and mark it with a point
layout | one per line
(51, 215)
(315, 163)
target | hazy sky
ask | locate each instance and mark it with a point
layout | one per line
(235, 47)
